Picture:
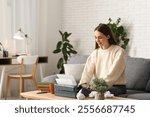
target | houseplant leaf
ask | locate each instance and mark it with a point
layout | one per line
(59, 44)
(57, 51)
(60, 63)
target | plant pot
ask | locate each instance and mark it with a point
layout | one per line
(99, 96)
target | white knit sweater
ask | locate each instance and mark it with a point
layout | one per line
(108, 64)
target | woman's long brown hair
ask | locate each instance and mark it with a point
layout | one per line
(103, 28)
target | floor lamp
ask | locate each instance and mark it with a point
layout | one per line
(20, 35)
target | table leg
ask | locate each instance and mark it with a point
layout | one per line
(1, 82)
(41, 71)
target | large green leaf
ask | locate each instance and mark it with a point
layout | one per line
(60, 63)
(57, 51)
(59, 44)
(73, 51)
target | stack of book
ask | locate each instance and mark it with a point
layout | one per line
(43, 86)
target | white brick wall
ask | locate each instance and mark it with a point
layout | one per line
(81, 17)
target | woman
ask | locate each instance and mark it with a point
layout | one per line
(107, 61)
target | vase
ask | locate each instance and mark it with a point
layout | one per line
(99, 96)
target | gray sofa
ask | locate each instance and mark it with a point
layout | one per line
(137, 73)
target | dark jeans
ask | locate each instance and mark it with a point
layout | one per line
(117, 89)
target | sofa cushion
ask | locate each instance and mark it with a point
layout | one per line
(75, 70)
(140, 96)
(148, 86)
(137, 72)
(78, 59)
(129, 92)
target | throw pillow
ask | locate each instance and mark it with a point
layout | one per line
(137, 73)
(75, 70)
(78, 59)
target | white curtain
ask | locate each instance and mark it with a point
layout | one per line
(25, 16)
(15, 14)
(5, 19)
(6, 25)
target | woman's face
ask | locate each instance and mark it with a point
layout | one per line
(102, 40)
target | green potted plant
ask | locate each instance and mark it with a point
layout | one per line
(65, 48)
(100, 86)
(119, 32)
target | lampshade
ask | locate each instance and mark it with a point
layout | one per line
(20, 35)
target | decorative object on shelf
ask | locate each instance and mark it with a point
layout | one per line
(20, 35)
(101, 87)
(3, 52)
(119, 32)
(65, 48)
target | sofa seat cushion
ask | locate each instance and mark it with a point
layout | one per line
(137, 73)
(140, 96)
(129, 92)
(134, 91)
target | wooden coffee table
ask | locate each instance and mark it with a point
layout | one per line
(49, 96)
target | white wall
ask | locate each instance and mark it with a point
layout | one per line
(81, 17)
(49, 25)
